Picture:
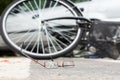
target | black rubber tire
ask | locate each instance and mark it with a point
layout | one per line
(115, 52)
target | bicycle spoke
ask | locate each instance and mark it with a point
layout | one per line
(22, 10)
(48, 41)
(42, 43)
(23, 36)
(59, 45)
(45, 1)
(39, 4)
(50, 5)
(34, 45)
(38, 39)
(63, 35)
(28, 38)
(30, 42)
(59, 41)
(32, 7)
(48, 34)
(53, 8)
(36, 4)
(64, 32)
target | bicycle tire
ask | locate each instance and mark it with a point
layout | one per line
(58, 43)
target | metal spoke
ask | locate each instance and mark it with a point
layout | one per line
(48, 38)
(52, 37)
(45, 1)
(22, 10)
(42, 43)
(51, 41)
(52, 10)
(32, 38)
(31, 6)
(58, 40)
(55, 41)
(39, 4)
(27, 7)
(25, 34)
(50, 5)
(36, 4)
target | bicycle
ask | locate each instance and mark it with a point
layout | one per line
(33, 27)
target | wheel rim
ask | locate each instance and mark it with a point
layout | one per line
(34, 37)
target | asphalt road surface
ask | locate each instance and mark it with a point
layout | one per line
(84, 69)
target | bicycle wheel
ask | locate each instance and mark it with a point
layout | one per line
(25, 32)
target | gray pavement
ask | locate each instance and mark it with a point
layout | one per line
(84, 69)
